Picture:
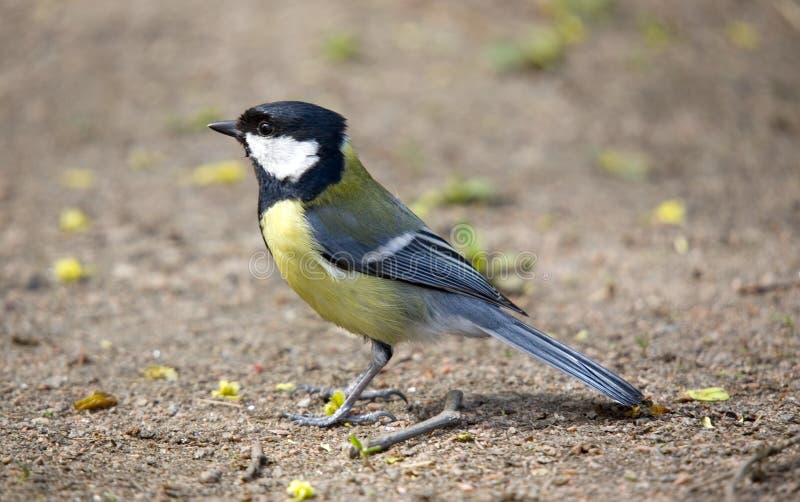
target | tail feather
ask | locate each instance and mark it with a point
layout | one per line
(532, 341)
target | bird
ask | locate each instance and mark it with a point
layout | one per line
(365, 262)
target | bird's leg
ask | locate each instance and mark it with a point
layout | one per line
(381, 353)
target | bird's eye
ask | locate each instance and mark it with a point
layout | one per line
(265, 129)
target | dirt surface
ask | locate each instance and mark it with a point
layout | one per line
(85, 84)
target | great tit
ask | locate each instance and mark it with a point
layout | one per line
(364, 261)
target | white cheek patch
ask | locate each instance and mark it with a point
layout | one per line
(283, 157)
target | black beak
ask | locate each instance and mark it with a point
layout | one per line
(227, 127)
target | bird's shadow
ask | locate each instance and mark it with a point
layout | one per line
(537, 410)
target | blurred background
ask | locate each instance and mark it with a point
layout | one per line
(645, 153)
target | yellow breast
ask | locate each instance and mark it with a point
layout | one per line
(360, 303)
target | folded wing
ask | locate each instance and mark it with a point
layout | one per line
(414, 255)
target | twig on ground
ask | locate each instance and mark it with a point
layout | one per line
(448, 416)
(745, 468)
(257, 459)
(760, 289)
(220, 403)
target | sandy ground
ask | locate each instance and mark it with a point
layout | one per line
(85, 84)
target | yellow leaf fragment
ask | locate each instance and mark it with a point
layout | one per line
(393, 460)
(742, 35)
(158, 372)
(73, 220)
(300, 490)
(656, 34)
(96, 401)
(681, 244)
(543, 47)
(79, 179)
(707, 423)
(670, 212)
(709, 394)
(628, 165)
(106, 344)
(285, 387)
(141, 160)
(647, 408)
(422, 206)
(582, 335)
(68, 270)
(469, 191)
(227, 390)
(571, 28)
(464, 437)
(658, 409)
(458, 191)
(218, 173)
(334, 403)
(341, 47)
(546, 221)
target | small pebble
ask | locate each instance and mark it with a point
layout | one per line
(55, 381)
(211, 476)
(146, 434)
(36, 282)
(682, 479)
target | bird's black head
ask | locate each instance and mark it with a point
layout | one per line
(295, 147)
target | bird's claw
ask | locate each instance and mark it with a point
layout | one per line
(327, 421)
(367, 395)
(384, 394)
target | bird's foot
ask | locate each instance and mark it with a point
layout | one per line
(339, 418)
(381, 353)
(367, 395)
(450, 415)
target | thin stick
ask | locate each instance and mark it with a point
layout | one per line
(257, 459)
(220, 403)
(744, 469)
(448, 416)
(760, 289)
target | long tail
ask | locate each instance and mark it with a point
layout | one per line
(534, 342)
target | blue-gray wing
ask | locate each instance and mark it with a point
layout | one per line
(413, 255)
